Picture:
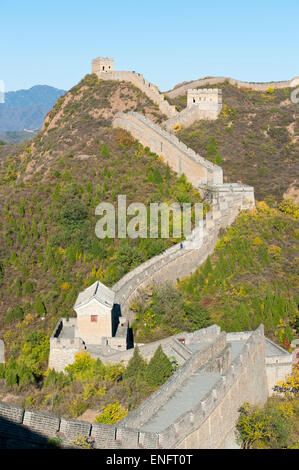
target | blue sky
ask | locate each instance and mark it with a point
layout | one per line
(53, 42)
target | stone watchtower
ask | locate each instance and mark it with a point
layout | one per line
(102, 65)
(94, 313)
(207, 100)
(204, 96)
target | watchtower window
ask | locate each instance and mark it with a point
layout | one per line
(94, 318)
(103, 67)
(193, 100)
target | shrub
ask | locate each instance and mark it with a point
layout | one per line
(111, 413)
(39, 306)
(105, 151)
(73, 214)
(11, 373)
(270, 427)
(253, 425)
(212, 146)
(56, 379)
(218, 159)
(13, 315)
(77, 408)
(28, 287)
(289, 207)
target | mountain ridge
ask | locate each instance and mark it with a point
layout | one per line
(26, 108)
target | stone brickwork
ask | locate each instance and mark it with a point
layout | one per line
(179, 157)
(182, 89)
(209, 424)
(2, 351)
(102, 65)
(141, 414)
(208, 102)
(63, 349)
(205, 96)
(278, 365)
(204, 104)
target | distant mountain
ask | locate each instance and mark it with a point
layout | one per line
(14, 137)
(26, 109)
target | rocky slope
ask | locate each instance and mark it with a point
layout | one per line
(257, 138)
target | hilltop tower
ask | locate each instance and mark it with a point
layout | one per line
(102, 65)
(204, 96)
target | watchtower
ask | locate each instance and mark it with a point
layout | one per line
(102, 65)
(204, 96)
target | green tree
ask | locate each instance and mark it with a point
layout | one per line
(111, 413)
(159, 369)
(136, 367)
(105, 151)
(212, 146)
(13, 315)
(253, 425)
(218, 159)
(39, 306)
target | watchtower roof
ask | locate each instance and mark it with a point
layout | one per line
(97, 291)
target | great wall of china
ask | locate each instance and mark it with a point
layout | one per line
(198, 406)
(182, 89)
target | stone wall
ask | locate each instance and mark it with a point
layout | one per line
(179, 157)
(278, 367)
(148, 88)
(2, 351)
(102, 65)
(189, 115)
(211, 424)
(171, 346)
(141, 414)
(208, 96)
(182, 89)
(63, 350)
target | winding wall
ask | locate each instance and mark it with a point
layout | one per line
(180, 158)
(182, 89)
